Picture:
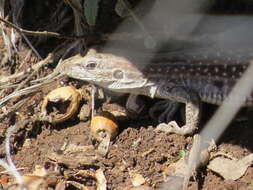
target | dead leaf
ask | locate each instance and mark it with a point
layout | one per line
(178, 168)
(136, 179)
(231, 169)
(75, 155)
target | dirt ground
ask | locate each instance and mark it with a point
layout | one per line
(139, 154)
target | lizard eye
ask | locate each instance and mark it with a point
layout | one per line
(118, 74)
(91, 65)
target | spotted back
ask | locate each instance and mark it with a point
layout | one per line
(211, 76)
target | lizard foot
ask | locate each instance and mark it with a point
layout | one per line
(192, 103)
(166, 110)
(173, 127)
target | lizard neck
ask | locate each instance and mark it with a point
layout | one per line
(144, 87)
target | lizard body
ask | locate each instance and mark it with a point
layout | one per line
(179, 79)
(187, 78)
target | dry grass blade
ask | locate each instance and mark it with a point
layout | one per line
(30, 89)
(48, 59)
(6, 39)
(35, 70)
(91, 11)
(13, 108)
(2, 4)
(9, 165)
(46, 80)
(17, 7)
(80, 25)
(79, 16)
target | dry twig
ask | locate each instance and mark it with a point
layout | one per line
(42, 33)
(35, 68)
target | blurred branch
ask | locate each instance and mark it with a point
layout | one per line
(41, 33)
(89, 37)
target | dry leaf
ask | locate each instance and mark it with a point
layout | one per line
(136, 179)
(83, 155)
(230, 169)
(91, 11)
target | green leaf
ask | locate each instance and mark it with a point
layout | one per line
(181, 153)
(91, 11)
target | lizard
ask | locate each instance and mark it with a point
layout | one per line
(178, 79)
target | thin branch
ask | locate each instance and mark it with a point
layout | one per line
(89, 37)
(30, 45)
(42, 33)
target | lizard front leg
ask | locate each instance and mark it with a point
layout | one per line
(162, 111)
(192, 108)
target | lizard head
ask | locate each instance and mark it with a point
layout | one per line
(105, 70)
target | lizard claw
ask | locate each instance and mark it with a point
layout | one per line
(170, 127)
(173, 127)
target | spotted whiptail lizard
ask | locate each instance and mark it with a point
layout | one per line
(186, 80)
